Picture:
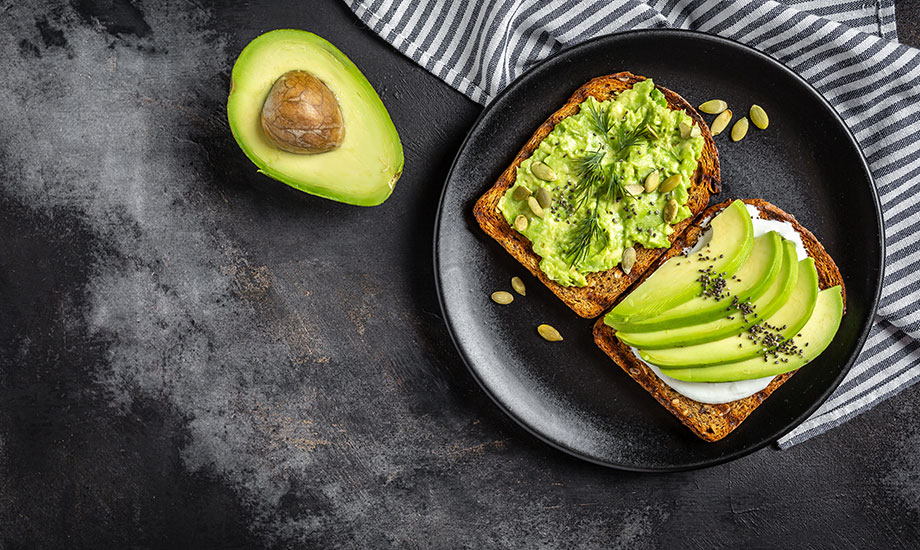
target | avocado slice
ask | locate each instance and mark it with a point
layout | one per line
(787, 320)
(345, 149)
(730, 322)
(751, 280)
(676, 281)
(816, 335)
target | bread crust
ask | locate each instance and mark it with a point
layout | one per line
(713, 422)
(604, 287)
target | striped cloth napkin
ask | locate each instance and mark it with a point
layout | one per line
(847, 49)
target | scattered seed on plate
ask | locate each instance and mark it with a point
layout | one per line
(721, 122)
(739, 130)
(518, 285)
(759, 117)
(713, 106)
(549, 333)
(502, 297)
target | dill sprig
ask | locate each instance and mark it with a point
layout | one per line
(634, 136)
(599, 119)
(588, 228)
(596, 181)
(591, 175)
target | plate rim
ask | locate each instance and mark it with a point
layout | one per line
(728, 457)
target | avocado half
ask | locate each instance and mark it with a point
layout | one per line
(363, 168)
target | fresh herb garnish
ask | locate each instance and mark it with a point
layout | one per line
(591, 175)
(597, 181)
(599, 119)
(588, 228)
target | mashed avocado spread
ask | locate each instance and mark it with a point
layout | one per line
(598, 158)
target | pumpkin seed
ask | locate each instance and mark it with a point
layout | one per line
(535, 206)
(628, 260)
(651, 181)
(518, 285)
(521, 222)
(669, 184)
(520, 193)
(685, 129)
(670, 210)
(651, 131)
(549, 333)
(544, 198)
(635, 189)
(695, 132)
(713, 106)
(502, 297)
(759, 117)
(721, 122)
(543, 171)
(739, 130)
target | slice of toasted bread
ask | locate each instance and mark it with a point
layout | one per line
(713, 422)
(603, 288)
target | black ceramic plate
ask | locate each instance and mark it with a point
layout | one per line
(570, 394)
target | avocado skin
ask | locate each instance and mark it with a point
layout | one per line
(364, 170)
(817, 333)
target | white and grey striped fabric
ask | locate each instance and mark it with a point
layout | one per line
(847, 49)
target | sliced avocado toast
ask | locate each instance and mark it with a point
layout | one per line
(814, 337)
(677, 280)
(750, 282)
(811, 316)
(758, 338)
(729, 323)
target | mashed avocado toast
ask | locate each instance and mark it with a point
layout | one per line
(586, 171)
(602, 188)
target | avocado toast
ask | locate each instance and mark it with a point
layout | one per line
(712, 422)
(598, 289)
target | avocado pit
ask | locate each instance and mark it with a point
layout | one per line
(301, 115)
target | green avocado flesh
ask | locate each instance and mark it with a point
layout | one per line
(816, 335)
(751, 280)
(787, 321)
(729, 322)
(364, 168)
(676, 281)
(621, 219)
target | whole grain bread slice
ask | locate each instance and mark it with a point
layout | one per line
(713, 422)
(604, 287)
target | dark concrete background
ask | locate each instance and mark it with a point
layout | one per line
(194, 356)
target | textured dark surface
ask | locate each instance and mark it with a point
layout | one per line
(192, 355)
